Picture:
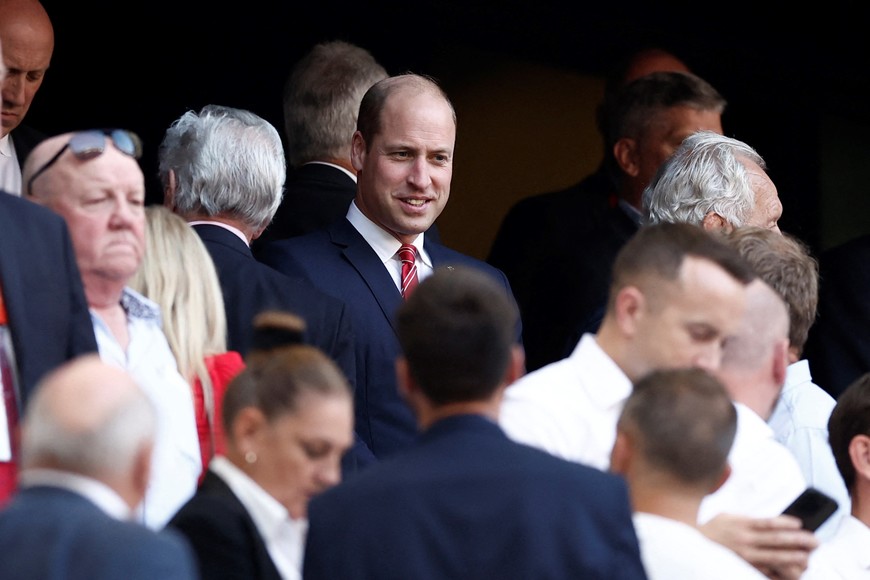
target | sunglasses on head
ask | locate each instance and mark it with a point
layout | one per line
(90, 144)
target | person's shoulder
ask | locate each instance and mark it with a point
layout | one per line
(28, 210)
(852, 250)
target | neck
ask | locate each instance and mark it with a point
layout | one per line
(610, 341)
(861, 501)
(102, 293)
(667, 500)
(431, 414)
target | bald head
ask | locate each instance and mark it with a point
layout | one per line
(87, 417)
(27, 37)
(754, 359)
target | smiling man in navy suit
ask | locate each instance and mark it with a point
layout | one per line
(402, 151)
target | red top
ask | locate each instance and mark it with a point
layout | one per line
(221, 368)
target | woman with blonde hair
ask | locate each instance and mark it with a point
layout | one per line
(178, 274)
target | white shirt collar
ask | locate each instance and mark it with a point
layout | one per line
(381, 241)
(283, 535)
(339, 167)
(103, 496)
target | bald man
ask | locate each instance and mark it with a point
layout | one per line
(92, 179)
(86, 451)
(27, 37)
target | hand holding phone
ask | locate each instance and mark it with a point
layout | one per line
(812, 507)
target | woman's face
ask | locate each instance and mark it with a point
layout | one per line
(299, 454)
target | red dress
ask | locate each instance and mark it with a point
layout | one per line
(222, 368)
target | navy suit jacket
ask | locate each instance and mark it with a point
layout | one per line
(25, 139)
(49, 533)
(341, 262)
(42, 290)
(838, 345)
(223, 535)
(468, 503)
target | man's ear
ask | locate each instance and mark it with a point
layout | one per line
(628, 307)
(621, 453)
(142, 469)
(726, 473)
(404, 380)
(516, 366)
(713, 222)
(624, 151)
(859, 453)
(357, 151)
(780, 361)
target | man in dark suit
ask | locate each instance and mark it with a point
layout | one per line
(86, 453)
(838, 345)
(321, 102)
(230, 209)
(403, 154)
(465, 501)
(41, 290)
(27, 36)
(578, 232)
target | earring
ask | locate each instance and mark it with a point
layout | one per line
(251, 457)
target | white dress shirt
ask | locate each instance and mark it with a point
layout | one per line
(765, 476)
(176, 462)
(386, 246)
(10, 170)
(284, 536)
(570, 407)
(846, 556)
(800, 422)
(672, 550)
(97, 492)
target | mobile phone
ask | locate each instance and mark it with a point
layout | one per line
(812, 507)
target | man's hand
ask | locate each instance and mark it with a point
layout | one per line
(777, 546)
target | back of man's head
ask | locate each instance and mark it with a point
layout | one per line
(682, 424)
(755, 358)
(786, 264)
(223, 162)
(657, 253)
(321, 101)
(90, 418)
(705, 174)
(457, 332)
(848, 427)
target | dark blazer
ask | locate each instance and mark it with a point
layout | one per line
(249, 287)
(838, 345)
(49, 533)
(315, 195)
(467, 503)
(42, 290)
(340, 261)
(557, 249)
(223, 535)
(24, 139)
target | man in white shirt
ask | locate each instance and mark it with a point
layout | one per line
(800, 417)
(677, 294)
(92, 180)
(847, 554)
(672, 443)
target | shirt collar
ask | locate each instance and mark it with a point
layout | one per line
(6, 146)
(103, 496)
(339, 167)
(381, 241)
(227, 227)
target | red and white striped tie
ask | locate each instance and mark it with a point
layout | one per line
(408, 257)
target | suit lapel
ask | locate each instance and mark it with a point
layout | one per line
(357, 251)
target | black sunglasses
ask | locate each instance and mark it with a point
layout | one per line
(90, 144)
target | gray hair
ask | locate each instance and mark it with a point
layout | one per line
(321, 100)
(705, 174)
(109, 446)
(227, 162)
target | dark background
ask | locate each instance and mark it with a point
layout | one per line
(796, 81)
